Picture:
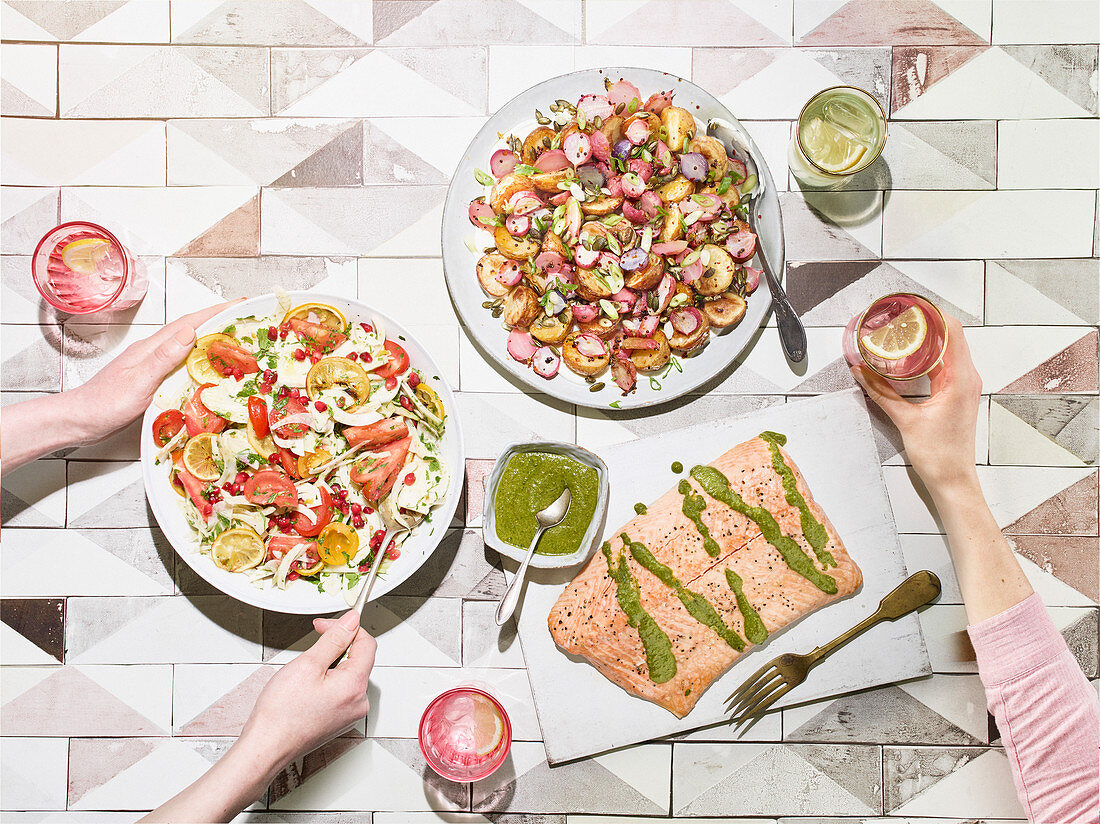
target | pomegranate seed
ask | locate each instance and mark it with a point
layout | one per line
(299, 354)
(368, 510)
(414, 380)
(391, 383)
(364, 567)
(335, 486)
(284, 392)
(292, 575)
(320, 406)
(357, 522)
(264, 388)
(238, 374)
(405, 402)
(241, 477)
(410, 479)
(352, 356)
(282, 334)
(379, 534)
(366, 357)
(272, 333)
(365, 327)
(356, 509)
(342, 494)
(269, 376)
(393, 553)
(340, 402)
(313, 358)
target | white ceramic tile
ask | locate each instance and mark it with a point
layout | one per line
(36, 494)
(34, 773)
(1004, 353)
(672, 59)
(39, 152)
(479, 374)
(513, 68)
(27, 214)
(135, 21)
(773, 137)
(484, 644)
(492, 421)
(30, 80)
(421, 279)
(1052, 154)
(1061, 21)
(986, 224)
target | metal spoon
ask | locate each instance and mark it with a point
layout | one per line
(393, 529)
(791, 332)
(551, 516)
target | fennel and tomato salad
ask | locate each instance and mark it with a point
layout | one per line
(300, 436)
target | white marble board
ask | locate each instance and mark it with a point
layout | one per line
(830, 439)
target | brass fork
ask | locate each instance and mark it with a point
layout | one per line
(781, 675)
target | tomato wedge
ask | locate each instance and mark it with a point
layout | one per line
(379, 433)
(198, 418)
(192, 485)
(317, 335)
(399, 361)
(227, 357)
(280, 545)
(257, 416)
(377, 471)
(287, 460)
(166, 426)
(309, 529)
(282, 408)
(270, 487)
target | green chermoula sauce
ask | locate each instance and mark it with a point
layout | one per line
(812, 528)
(717, 485)
(658, 648)
(693, 508)
(677, 467)
(531, 481)
(755, 630)
(641, 509)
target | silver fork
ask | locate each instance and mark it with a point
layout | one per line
(781, 675)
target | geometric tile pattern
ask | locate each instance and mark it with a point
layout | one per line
(307, 144)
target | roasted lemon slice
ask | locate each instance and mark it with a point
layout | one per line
(308, 463)
(198, 362)
(200, 457)
(264, 447)
(239, 549)
(899, 338)
(430, 398)
(342, 373)
(84, 255)
(337, 544)
(328, 316)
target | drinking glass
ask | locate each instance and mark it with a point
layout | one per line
(840, 131)
(881, 312)
(80, 268)
(465, 733)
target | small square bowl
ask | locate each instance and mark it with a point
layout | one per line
(595, 528)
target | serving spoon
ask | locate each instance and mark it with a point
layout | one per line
(548, 517)
(791, 332)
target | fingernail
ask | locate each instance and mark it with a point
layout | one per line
(350, 619)
(185, 336)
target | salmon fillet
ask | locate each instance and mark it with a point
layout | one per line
(587, 620)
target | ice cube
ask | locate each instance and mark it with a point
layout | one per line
(854, 121)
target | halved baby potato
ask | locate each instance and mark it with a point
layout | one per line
(603, 205)
(198, 359)
(505, 188)
(680, 125)
(688, 342)
(536, 143)
(553, 243)
(581, 363)
(647, 276)
(487, 269)
(601, 327)
(554, 328)
(718, 271)
(548, 181)
(673, 227)
(715, 154)
(342, 373)
(516, 248)
(726, 310)
(650, 360)
(591, 285)
(521, 306)
(677, 189)
(321, 313)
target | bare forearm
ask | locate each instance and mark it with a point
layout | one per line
(239, 778)
(31, 429)
(989, 575)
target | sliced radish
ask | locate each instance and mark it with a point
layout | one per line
(517, 225)
(637, 132)
(545, 362)
(574, 217)
(633, 213)
(480, 208)
(742, 245)
(691, 273)
(694, 166)
(609, 258)
(642, 168)
(632, 326)
(596, 105)
(521, 345)
(577, 147)
(633, 185)
(622, 149)
(633, 259)
(664, 292)
(563, 276)
(658, 102)
(553, 160)
(738, 170)
(640, 343)
(585, 312)
(686, 319)
(752, 279)
(524, 202)
(647, 326)
(509, 274)
(559, 198)
(623, 92)
(555, 303)
(549, 262)
(615, 186)
(650, 203)
(590, 346)
(707, 202)
(586, 258)
(624, 373)
(663, 154)
(601, 148)
(503, 162)
(624, 295)
(669, 247)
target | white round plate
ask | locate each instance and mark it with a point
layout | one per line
(301, 596)
(459, 262)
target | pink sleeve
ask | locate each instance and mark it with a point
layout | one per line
(1046, 711)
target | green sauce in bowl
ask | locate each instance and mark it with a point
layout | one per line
(531, 481)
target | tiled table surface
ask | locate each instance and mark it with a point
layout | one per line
(245, 145)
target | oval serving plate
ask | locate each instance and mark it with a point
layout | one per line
(300, 596)
(459, 261)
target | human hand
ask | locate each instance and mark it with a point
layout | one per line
(124, 388)
(305, 703)
(939, 432)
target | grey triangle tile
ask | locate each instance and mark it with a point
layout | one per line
(1081, 638)
(296, 773)
(235, 235)
(857, 769)
(407, 751)
(387, 161)
(1066, 69)
(337, 163)
(1072, 559)
(462, 22)
(285, 22)
(863, 22)
(66, 20)
(885, 714)
(909, 772)
(297, 72)
(1072, 284)
(15, 101)
(1070, 421)
(810, 284)
(232, 277)
(127, 507)
(831, 378)
(458, 70)
(245, 70)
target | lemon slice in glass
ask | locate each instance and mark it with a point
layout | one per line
(899, 338)
(488, 725)
(84, 255)
(239, 549)
(199, 457)
(830, 148)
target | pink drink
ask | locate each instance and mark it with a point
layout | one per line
(465, 734)
(80, 268)
(882, 312)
